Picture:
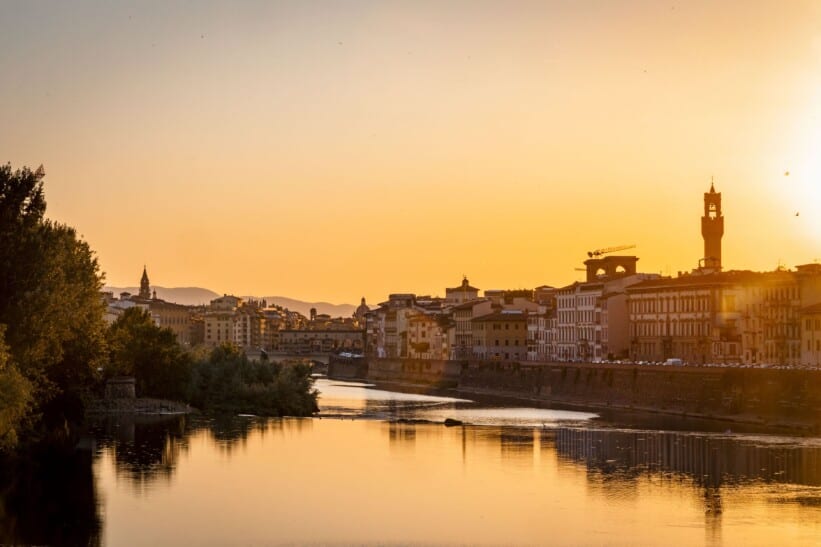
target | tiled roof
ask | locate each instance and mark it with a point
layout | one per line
(462, 288)
(469, 304)
(502, 316)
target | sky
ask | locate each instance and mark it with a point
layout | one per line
(340, 149)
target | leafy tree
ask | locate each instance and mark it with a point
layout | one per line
(15, 398)
(228, 382)
(49, 298)
(150, 353)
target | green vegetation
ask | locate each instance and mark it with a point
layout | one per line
(228, 382)
(51, 308)
(139, 348)
(224, 381)
(15, 398)
(54, 342)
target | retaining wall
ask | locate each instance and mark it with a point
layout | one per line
(755, 395)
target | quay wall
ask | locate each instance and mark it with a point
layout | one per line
(744, 394)
(436, 373)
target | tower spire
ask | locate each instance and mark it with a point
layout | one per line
(145, 286)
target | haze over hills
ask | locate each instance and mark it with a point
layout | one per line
(189, 296)
(334, 310)
(194, 296)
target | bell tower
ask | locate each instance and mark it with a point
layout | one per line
(145, 287)
(712, 228)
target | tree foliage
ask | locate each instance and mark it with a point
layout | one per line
(229, 382)
(49, 297)
(15, 398)
(139, 348)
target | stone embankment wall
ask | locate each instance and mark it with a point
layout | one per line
(751, 395)
(415, 371)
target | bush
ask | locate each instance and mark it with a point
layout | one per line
(227, 382)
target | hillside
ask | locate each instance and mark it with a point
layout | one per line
(193, 296)
(189, 296)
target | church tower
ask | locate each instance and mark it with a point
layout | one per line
(145, 287)
(712, 228)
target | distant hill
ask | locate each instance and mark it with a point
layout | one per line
(334, 310)
(194, 296)
(188, 296)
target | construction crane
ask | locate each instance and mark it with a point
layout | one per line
(598, 252)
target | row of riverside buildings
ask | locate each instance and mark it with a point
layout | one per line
(708, 315)
(252, 325)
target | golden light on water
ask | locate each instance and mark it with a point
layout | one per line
(369, 482)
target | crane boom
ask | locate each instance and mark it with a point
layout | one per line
(606, 250)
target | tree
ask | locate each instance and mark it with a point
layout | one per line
(49, 298)
(228, 382)
(15, 397)
(139, 348)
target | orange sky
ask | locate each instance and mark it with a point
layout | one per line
(340, 149)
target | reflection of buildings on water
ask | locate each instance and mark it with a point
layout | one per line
(709, 460)
(401, 433)
(516, 443)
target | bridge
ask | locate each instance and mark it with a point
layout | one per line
(279, 356)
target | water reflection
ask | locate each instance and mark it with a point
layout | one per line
(708, 459)
(145, 449)
(48, 497)
(247, 480)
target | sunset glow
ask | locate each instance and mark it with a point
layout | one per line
(333, 150)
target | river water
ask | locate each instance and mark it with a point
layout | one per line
(379, 467)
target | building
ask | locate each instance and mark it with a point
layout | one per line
(360, 313)
(591, 317)
(462, 293)
(724, 317)
(712, 229)
(320, 341)
(174, 317)
(462, 344)
(225, 303)
(693, 317)
(501, 336)
(811, 336)
(428, 336)
(145, 286)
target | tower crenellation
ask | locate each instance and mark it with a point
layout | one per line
(712, 229)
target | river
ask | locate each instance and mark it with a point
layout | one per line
(379, 467)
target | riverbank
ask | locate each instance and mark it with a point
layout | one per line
(767, 400)
(141, 405)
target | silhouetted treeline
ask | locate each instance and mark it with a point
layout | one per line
(51, 315)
